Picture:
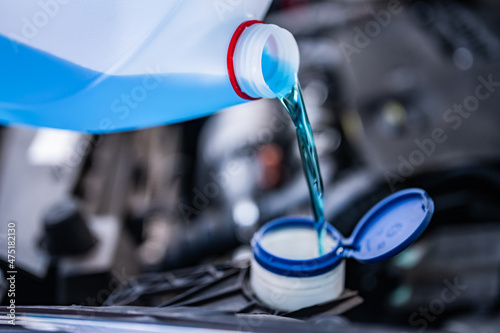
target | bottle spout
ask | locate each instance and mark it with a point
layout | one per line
(266, 61)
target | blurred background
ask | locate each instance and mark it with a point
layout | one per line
(399, 94)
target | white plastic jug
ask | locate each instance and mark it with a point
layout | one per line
(102, 66)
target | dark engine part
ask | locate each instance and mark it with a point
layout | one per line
(220, 287)
(66, 231)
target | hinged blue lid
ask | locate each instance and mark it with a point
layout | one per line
(390, 226)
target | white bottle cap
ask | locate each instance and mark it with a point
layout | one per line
(266, 61)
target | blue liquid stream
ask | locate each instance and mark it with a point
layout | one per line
(284, 82)
(294, 103)
(39, 89)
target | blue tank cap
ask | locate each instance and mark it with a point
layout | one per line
(389, 227)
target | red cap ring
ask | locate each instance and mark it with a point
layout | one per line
(230, 54)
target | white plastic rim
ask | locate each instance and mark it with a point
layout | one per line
(291, 292)
(286, 293)
(248, 60)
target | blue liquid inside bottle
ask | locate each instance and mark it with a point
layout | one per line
(39, 89)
